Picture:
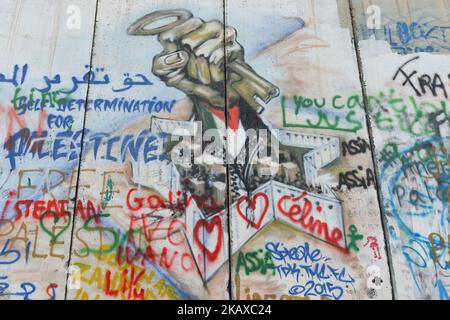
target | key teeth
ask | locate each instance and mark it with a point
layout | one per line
(260, 110)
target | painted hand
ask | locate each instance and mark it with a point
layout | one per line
(194, 57)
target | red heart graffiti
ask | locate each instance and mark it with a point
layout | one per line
(252, 204)
(209, 227)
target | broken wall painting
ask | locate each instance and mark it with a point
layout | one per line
(189, 152)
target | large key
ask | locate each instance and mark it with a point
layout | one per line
(250, 85)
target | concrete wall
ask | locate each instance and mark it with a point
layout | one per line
(95, 202)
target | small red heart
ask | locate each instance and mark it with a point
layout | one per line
(209, 227)
(252, 204)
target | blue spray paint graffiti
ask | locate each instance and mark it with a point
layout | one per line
(415, 186)
(313, 271)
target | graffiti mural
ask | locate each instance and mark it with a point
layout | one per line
(156, 150)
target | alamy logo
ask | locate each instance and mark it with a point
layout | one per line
(74, 281)
(374, 17)
(73, 17)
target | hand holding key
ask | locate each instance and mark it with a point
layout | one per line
(198, 67)
(204, 60)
